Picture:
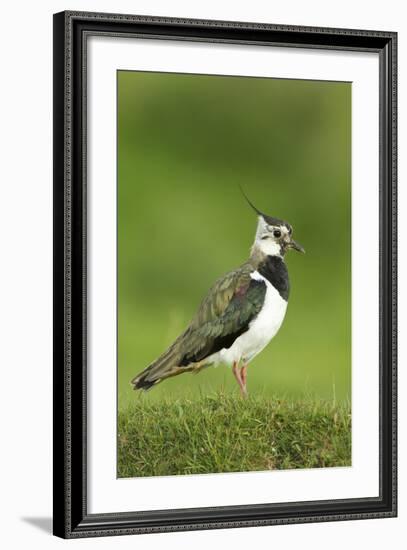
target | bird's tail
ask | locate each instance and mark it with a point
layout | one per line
(160, 369)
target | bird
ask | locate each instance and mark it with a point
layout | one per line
(239, 316)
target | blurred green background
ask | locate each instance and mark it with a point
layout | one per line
(185, 144)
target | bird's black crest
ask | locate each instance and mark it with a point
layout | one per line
(270, 220)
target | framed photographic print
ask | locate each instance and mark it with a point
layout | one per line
(224, 274)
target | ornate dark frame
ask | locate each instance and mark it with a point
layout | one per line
(71, 518)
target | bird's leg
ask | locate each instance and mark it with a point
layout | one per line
(243, 376)
(236, 372)
(238, 375)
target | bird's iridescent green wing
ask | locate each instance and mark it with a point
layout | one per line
(225, 313)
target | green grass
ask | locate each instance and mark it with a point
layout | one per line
(224, 433)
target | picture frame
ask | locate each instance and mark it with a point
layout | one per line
(72, 517)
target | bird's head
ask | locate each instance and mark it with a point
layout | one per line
(273, 236)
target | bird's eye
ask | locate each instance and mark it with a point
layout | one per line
(277, 233)
(290, 230)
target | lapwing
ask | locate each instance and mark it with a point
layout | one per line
(240, 314)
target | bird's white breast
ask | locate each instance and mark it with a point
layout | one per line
(261, 330)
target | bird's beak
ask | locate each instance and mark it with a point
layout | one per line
(295, 246)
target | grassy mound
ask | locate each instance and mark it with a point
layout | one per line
(224, 433)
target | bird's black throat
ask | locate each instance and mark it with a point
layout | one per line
(275, 271)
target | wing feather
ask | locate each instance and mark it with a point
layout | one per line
(226, 312)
